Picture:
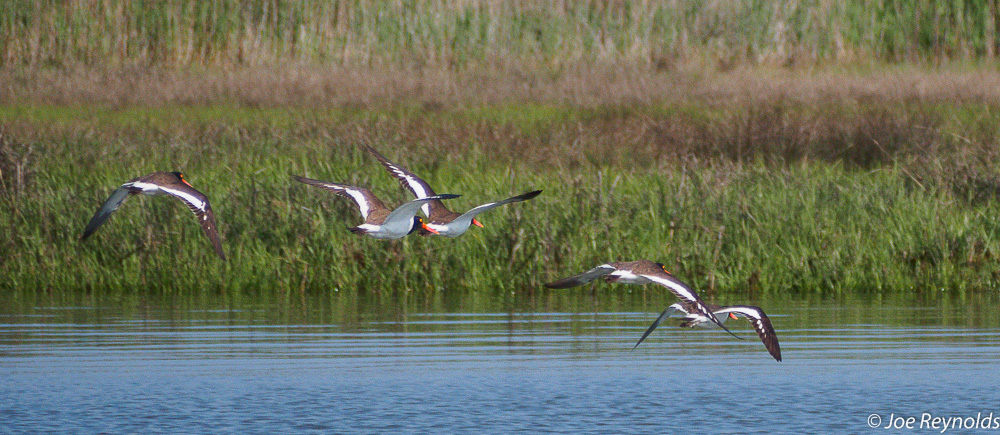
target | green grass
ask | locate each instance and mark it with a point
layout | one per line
(471, 33)
(912, 216)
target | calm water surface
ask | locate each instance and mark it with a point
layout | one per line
(262, 368)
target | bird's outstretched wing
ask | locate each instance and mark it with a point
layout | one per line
(761, 323)
(466, 218)
(666, 313)
(364, 198)
(114, 201)
(582, 278)
(414, 184)
(198, 203)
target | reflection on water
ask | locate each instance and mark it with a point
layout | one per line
(328, 365)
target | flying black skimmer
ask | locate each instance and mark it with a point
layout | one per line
(443, 221)
(380, 223)
(720, 313)
(161, 183)
(642, 272)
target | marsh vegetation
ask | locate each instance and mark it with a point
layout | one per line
(759, 148)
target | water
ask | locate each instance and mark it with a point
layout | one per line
(311, 367)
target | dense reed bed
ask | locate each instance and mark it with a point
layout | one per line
(764, 148)
(786, 199)
(472, 32)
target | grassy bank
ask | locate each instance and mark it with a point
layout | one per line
(877, 199)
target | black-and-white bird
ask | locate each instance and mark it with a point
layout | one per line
(439, 218)
(161, 183)
(641, 272)
(380, 222)
(761, 323)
